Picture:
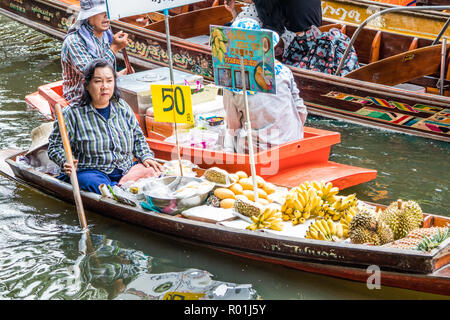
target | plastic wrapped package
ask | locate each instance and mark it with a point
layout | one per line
(172, 168)
(197, 138)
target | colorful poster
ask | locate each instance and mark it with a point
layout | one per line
(256, 48)
(118, 8)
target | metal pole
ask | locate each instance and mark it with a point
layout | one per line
(376, 15)
(172, 81)
(249, 131)
(444, 28)
(443, 62)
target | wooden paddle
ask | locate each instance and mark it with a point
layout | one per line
(73, 175)
(127, 61)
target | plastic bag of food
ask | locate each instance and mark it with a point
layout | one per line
(172, 168)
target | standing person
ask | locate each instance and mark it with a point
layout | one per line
(89, 38)
(104, 134)
(276, 118)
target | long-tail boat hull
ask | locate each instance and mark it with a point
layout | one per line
(410, 269)
(364, 102)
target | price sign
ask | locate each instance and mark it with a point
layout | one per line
(172, 103)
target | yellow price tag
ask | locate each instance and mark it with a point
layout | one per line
(172, 103)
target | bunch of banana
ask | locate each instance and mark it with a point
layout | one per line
(326, 191)
(343, 203)
(347, 215)
(270, 218)
(339, 209)
(218, 40)
(300, 204)
(326, 230)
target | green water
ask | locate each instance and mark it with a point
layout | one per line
(39, 235)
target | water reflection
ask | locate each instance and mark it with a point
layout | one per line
(126, 274)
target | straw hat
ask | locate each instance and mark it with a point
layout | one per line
(40, 135)
(90, 8)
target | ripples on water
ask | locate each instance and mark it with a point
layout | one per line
(40, 252)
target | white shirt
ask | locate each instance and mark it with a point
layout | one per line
(275, 118)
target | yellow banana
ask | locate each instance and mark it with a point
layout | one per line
(332, 226)
(339, 230)
(325, 226)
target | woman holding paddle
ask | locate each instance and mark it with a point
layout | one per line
(104, 133)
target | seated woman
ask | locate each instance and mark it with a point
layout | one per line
(304, 45)
(275, 118)
(104, 133)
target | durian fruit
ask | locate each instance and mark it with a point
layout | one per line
(402, 217)
(366, 227)
(217, 175)
(248, 208)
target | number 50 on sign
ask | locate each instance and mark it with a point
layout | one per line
(172, 103)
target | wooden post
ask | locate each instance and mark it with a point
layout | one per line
(249, 130)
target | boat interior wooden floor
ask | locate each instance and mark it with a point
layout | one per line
(378, 51)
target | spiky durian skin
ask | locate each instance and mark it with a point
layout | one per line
(366, 227)
(411, 218)
(363, 218)
(390, 217)
(402, 217)
(362, 227)
(384, 233)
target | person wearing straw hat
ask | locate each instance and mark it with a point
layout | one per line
(275, 118)
(89, 38)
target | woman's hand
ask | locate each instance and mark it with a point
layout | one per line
(149, 163)
(68, 168)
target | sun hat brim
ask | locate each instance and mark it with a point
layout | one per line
(86, 14)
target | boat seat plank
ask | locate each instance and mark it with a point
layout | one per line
(401, 67)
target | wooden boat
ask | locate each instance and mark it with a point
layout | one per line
(410, 269)
(288, 164)
(423, 24)
(406, 110)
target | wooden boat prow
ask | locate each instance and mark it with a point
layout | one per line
(410, 269)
